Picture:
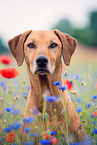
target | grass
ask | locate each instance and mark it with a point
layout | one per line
(84, 79)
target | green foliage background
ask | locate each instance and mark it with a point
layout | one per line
(3, 47)
(86, 35)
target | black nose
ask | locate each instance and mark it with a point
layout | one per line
(41, 61)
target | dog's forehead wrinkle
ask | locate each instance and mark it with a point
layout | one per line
(31, 41)
(39, 33)
(43, 36)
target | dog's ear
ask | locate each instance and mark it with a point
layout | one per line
(68, 45)
(16, 46)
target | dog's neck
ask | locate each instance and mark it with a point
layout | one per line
(44, 84)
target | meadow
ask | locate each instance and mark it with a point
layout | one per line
(81, 74)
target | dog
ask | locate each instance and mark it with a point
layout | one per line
(42, 51)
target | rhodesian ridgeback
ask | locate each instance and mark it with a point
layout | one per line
(42, 51)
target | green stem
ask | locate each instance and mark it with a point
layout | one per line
(66, 119)
(44, 109)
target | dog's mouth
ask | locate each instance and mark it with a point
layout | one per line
(42, 71)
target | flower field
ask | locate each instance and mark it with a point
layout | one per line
(80, 80)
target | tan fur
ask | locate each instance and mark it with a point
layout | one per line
(41, 83)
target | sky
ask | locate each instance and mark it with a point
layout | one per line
(17, 16)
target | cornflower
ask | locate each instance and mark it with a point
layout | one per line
(51, 98)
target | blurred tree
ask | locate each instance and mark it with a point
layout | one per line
(3, 48)
(64, 26)
(86, 35)
(93, 25)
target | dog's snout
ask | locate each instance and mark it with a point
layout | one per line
(41, 61)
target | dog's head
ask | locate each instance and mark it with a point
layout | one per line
(42, 49)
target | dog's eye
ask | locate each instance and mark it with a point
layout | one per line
(31, 45)
(53, 45)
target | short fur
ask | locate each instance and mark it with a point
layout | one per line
(40, 84)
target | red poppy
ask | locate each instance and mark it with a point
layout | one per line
(5, 59)
(95, 86)
(46, 136)
(95, 113)
(54, 140)
(10, 137)
(69, 84)
(9, 73)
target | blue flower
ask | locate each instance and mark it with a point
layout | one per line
(8, 109)
(88, 105)
(29, 143)
(36, 134)
(25, 143)
(95, 131)
(2, 138)
(94, 122)
(78, 99)
(4, 88)
(51, 98)
(15, 126)
(2, 83)
(78, 109)
(63, 88)
(91, 115)
(76, 143)
(28, 87)
(14, 111)
(7, 129)
(35, 111)
(28, 119)
(94, 97)
(27, 129)
(52, 133)
(25, 95)
(45, 142)
(57, 83)
(17, 111)
(31, 134)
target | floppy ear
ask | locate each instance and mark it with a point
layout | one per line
(16, 46)
(68, 45)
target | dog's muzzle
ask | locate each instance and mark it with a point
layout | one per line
(42, 62)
